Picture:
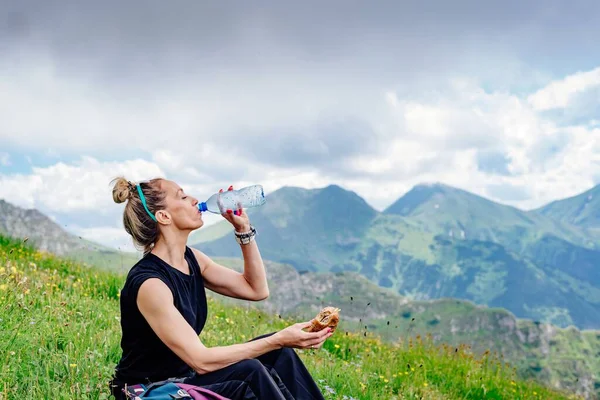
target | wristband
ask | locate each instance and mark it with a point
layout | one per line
(245, 237)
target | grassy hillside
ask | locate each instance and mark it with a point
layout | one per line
(563, 357)
(60, 340)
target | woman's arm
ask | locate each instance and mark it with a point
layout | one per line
(155, 302)
(249, 285)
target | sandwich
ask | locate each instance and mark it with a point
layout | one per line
(327, 318)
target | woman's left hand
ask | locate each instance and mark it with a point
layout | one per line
(238, 218)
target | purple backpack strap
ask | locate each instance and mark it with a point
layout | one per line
(200, 393)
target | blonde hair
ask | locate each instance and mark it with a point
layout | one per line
(136, 220)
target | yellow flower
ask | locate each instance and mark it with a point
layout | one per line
(381, 376)
(386, 380)
(425, 384)
(72, 365)
(337, 346)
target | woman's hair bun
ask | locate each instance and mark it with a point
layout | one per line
(121, 190)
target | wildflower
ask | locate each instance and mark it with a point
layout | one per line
(425, 384)
(337, 346)
(73, 365)
(330, 389)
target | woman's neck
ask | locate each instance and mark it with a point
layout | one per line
(171, 249)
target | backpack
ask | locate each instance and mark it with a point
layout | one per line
(169, 390)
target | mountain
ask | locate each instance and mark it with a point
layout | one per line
(434, 242)
(46, 235)
(582, 210)
(310, 229)
(442, 209)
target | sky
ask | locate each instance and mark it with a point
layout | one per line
(501, 99)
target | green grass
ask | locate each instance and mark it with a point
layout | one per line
(60, 339)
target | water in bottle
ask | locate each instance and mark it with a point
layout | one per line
(251, 196)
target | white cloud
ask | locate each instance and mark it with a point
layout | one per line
(4, 159)
(436, 137)
(560, 93)
(82, 186)
(438, 140)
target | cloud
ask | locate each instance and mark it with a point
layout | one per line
(562, 93)
(81, 186)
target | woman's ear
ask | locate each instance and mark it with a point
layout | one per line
(163, 217)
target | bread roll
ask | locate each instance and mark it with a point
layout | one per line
(327, 318)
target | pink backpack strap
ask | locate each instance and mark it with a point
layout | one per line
(200, 393)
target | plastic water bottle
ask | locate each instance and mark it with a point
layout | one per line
(251, 196)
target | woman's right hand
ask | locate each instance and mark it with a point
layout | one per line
(294, 336)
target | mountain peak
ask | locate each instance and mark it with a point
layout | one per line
(416, 197)
(18, 222)
(582, 210)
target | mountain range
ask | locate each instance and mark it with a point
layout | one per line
(46, 235)
(438, 241)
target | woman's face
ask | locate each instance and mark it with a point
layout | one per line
(182, 208)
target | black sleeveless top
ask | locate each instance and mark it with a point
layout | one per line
(145, 357)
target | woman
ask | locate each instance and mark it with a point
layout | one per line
(163, 305)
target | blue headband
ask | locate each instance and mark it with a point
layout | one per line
(139, 189)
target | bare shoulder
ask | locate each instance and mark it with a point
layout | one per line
(153, 294)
